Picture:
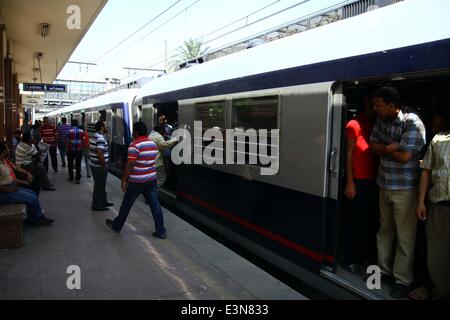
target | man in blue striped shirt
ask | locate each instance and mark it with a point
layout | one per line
(398, 138)
(74, 150)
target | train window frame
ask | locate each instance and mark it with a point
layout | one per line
(225, 113)
(233, 126)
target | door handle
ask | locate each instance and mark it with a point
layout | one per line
(333, 161)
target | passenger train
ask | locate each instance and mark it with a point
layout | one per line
(307, 86)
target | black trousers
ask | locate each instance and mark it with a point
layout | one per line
(71, 157)
(361, 224)
(39, 174)
(99, 197)
(53, 157)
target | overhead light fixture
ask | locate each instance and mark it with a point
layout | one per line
(44, 31)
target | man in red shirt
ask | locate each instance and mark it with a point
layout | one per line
(49, 136)
(361, 191)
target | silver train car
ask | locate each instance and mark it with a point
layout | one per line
(306, 86)
(115, 108)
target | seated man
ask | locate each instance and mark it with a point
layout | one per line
(27, 157)
(11, 193)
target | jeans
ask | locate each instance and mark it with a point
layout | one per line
(27, 197)
(150, 191)
(62, 153)
(71, 156)
(99, 198)
(53, 156)
(86, 161)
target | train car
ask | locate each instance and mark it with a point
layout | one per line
(115, 109)
(306, 86)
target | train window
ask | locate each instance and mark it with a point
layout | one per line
(211, 114)
(255, 113)
(147, 116)
(118, 127)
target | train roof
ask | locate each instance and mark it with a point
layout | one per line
(406, 23)
(115, 97)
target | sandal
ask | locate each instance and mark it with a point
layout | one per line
(420, 293)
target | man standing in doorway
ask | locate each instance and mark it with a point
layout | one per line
(398, 138)
(99, 158)
(435, 181)
(139, 178)
(50, 137)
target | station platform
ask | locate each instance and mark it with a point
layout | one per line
(132, 265)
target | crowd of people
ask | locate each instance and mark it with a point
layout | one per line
(397, 184)
(33, 146)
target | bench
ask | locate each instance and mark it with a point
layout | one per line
(11, 225)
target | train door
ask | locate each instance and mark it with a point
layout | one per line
(335, 177)
(170, 111)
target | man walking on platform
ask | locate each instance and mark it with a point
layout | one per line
(140, 178)
(74, 151)
(49, 136)
(63, 139)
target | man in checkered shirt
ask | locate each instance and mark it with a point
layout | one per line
(398, 138)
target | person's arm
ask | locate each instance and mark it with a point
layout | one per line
(350, 189)
(163, 144)
(24, 172)
(381, 149)
(126, 174)
(401, 156)
(424, 185)
(100, 152)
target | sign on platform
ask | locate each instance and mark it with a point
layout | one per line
(44, 87)
(32, 99)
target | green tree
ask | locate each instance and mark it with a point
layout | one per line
(191, 49)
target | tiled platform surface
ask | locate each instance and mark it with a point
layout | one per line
(132, 265)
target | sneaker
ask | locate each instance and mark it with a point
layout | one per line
(77, 182)
(159, 236)
(400, 291)
(109, 204)
(110, 224)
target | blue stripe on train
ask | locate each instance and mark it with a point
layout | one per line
(418, 58)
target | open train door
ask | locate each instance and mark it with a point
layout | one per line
(335, 178)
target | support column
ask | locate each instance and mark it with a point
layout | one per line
(2, 83)
(9, 93)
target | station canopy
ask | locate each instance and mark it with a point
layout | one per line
(28, 39)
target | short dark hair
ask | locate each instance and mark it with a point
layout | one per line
(99, 125)
(26, 137)
(74, 122)
(64, 120)
(389, 95)
(140, 128)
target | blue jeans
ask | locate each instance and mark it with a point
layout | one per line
(150, 191)
(62, 153)
(27, 197)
